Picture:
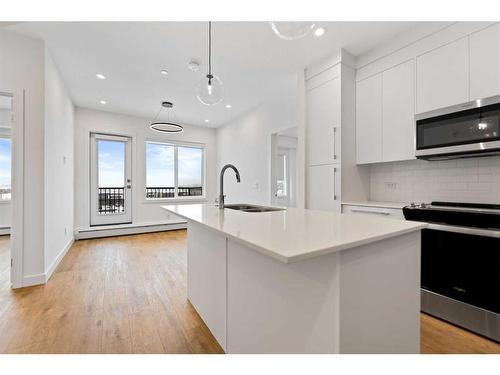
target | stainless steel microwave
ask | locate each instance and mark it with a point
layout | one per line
(466, 130)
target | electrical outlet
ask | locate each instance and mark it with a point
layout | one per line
(391, 185)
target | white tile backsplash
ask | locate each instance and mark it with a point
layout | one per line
(474, 180)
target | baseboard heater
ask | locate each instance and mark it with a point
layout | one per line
(122, 230)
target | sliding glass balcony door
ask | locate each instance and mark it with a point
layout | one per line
(110, 180)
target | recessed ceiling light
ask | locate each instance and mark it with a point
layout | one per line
(207, 120)
(100, 76)
(228, 105)
(103, 102)
(164, 72)
(320, 31)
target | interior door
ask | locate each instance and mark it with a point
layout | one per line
(111, 180)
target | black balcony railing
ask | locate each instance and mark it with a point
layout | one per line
(111, 200)
(169, 192)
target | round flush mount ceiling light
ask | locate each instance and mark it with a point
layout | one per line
(103, 102)
(194, 65)
(164, 72)
(168, 126)
(228, 106)
(207, 121)
(291, 30)
(320, 31)
(100, 76)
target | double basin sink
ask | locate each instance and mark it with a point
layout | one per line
(251, 208)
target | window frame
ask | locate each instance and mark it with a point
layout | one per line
(176, 197)
(6, 133)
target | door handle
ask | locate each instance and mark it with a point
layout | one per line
(334, 184)
(334, 143)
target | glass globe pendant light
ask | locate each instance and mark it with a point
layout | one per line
(292, 30)
(210, 91)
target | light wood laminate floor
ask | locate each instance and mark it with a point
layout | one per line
(128, 295)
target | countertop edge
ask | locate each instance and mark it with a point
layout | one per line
(389, 205)
(320, 252)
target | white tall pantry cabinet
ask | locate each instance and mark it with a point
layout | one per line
(330, 137)
(323, 124)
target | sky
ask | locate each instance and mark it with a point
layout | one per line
(5, 162)
(159, 165)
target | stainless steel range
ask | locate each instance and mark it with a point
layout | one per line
(461, 264)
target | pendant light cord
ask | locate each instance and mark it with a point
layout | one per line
(209, 51)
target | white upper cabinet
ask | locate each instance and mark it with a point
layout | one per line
(443, 76)
(398, 107)
(485, 63)
(369, 120)
(323, 123)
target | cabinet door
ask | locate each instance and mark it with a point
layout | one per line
(485, 63)
(398, 105)
(206, 273)
(323, 188)
(369, 120)
(323, 123)
(443, 76)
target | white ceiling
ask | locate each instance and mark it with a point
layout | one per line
(247, 56)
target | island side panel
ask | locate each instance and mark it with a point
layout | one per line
(206, 267)
(380, 297)
(274, 307)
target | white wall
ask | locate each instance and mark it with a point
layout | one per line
(22, 67)
(474, 180)
(246, 143)
(144, 212)
(59, 165)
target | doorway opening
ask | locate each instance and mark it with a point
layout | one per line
(110, 180)
(284, 168)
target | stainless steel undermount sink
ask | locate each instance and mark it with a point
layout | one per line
(252, 208)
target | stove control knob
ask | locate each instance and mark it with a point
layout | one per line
(423, 205)
(413, 205)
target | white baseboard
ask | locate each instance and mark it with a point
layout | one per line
(42, 278)
(49, 271)
(122, 230)
(31, 280)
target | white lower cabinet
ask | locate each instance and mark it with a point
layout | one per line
(206, 270)
(389, 213)
(323, 187)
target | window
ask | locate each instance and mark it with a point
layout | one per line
(5, 163)
(174, 171)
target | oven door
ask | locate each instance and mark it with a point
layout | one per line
(463, 267)
(474, 130)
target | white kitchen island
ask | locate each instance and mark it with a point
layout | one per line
(304, 281)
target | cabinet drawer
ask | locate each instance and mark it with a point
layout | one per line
(389, 213)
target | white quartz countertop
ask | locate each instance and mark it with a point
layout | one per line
(398, 205)
(294, 234)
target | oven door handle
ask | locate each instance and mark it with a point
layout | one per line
(465, 230)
